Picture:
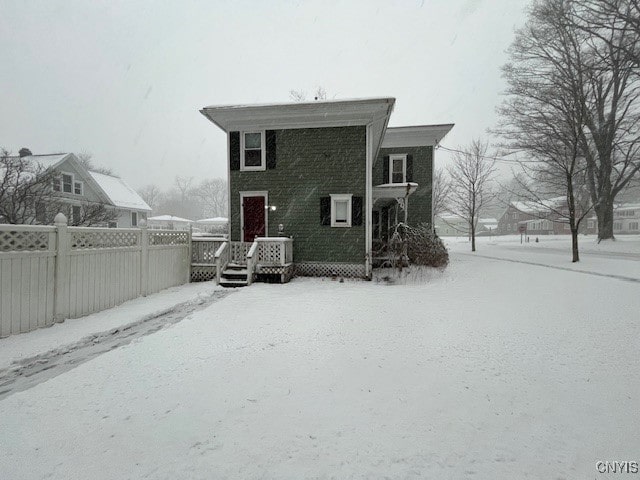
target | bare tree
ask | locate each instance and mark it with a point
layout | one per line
(27, 196)
(87, 214)
(441, 190)
(86, 161)
(25, 188)
(297, 95)
(212, 196)
(152, 195)
(471, 174)
(301, 96)
(183, 185)
(583, 64)
(544, 115)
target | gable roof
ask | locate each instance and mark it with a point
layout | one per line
(322, 113)
(119, 192)
(48, 161)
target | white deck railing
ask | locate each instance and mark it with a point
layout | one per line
(274, 251)
(203, 250)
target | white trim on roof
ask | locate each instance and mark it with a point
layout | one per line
(415, 135)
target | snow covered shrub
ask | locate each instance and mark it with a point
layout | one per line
(425, 247)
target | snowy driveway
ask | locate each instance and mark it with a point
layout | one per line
(491, 370)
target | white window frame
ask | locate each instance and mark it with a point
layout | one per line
(402, 157)
(263, 150)
(81, 187)
(73, 179)
(134, 224)
(341, 197)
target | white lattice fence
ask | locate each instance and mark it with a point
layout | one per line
(82, 238)
(14, 240)
(27, 267)
(168, 237)
(351, 270)
(48, 274)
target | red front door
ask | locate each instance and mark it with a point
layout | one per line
(253, 213)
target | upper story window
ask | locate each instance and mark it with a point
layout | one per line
(397, 168)
(67, 183)
(252, 151)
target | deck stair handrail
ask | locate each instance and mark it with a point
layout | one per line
(221, 259)
(252, 258)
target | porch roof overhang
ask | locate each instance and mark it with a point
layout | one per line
(372, 112)
(415, 136)
(387, 192)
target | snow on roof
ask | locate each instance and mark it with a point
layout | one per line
(119, 192)
(213, 220)
(47, 161)
(536, 207)
(627, 206)
(169, 218)
(487, 220)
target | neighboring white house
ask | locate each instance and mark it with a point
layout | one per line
(448, 225)
(76, 186)
(626, 218)
(213, 225)
(169, 222)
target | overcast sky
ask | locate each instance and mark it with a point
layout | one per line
(124, 80)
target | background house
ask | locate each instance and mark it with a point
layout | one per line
(547, 217)
(81, 194)
(626, 218)
(449, 225)
(169, 222)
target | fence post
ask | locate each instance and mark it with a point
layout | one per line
(144, 259)
(61, 281)
(189, 253)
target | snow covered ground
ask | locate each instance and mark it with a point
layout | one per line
(492, 369)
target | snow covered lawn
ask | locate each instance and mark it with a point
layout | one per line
(490, 370)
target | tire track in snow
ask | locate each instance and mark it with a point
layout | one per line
(29, 372)
(566, 269)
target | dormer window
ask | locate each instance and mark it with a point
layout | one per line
(253, 151)
(397, 168)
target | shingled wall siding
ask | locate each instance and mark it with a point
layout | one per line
(420, 200)
(310, 163)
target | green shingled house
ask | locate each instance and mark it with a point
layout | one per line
(314, 186)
